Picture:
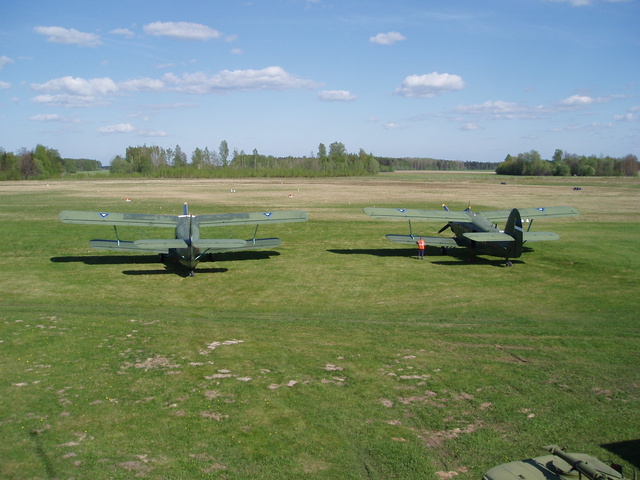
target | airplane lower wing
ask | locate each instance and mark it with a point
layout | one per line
(416, 214)
(251, 218)
(255, 243)
(431, 241)
(128, 219)
(124, 246)
(164, 246)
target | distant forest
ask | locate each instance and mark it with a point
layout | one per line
(157, 162)
(565, 164)
(40, 163)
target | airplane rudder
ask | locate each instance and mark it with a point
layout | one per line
(514, 229)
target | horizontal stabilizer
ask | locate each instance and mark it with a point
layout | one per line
(126, 219)
(539, 236)
(251, 218)
(219, 243)
(160, 245)
(415, 214)
(489, 237)
(430, 241)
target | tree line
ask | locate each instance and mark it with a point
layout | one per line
(40, 163)
(390, 164)
(565, 164)
(155, 161)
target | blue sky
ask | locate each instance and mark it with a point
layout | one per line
(455, 79)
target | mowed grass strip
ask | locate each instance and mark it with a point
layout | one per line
(337, 356)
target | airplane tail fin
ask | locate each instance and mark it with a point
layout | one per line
(514, 229)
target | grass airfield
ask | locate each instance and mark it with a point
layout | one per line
(339, 355)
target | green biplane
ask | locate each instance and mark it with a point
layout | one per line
(186, 248)
(477, 230)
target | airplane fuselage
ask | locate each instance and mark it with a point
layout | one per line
(478, 223)
(188, 231)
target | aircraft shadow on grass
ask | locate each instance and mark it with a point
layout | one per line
(628, 450)
(453, 257)
(97, 260)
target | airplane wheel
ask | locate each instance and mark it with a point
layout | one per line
(509, 264)
(192, 273)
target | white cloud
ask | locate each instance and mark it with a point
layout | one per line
(270, 78)
(578, 101)
(429, 85)
(391, 126)
(4, 85)
(387, 38)
(117, 128)
(69, 36)
(152, 133)
(125, 32)
(629, 117)
(4, 60)
(181, 30)
(499, 109)
(81, 92)
(44, 117)
(143, 85)
(336, 96)
(71, 101)
(77, 86)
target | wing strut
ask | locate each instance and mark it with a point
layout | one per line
(255, 233)
(115, 229)
(410, 230)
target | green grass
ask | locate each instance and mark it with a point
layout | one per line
(338, 356)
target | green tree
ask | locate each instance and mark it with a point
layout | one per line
(119, 165)
(9, 166)
(224, 153)
(337, 155)
(179, 157)
(197, 158)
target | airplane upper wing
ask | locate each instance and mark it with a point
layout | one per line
(251, 218)
(130, 219)
(415, 214)
(550, 212)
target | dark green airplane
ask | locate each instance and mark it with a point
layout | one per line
(557, 466)
(477, 230)
(186, 248)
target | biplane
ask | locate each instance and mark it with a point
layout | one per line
(187, 248)
(478, 231)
